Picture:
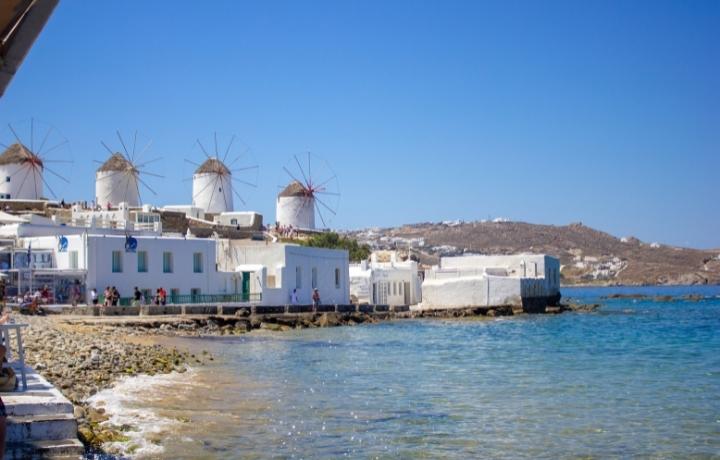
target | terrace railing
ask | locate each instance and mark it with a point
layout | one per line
(185, 299)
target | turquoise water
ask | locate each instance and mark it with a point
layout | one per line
(636, 379)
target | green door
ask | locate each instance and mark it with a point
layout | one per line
(246, 286)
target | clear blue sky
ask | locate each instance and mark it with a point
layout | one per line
(548, 112)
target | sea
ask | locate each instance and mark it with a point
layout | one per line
(638, 378)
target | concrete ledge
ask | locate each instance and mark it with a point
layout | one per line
(325, 308)
(150, 310)
(233, 309)
(346, 309)
(382, 308)
(300, 309)
(200, 309)
(269, 310)
(365, 308)
(400, 308)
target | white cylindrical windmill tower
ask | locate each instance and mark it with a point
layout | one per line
(21, 174)
(116, 181)
(212, 187)
(295, 206)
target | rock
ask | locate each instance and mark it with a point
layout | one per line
(271, 326)
(86, 435)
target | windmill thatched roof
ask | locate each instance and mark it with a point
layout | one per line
(116, 162)
(212, 166)
(18, 154)
(295, 188)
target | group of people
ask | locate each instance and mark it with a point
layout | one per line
(315, 297)
(111, 296)
(285, 231)
(160, 297)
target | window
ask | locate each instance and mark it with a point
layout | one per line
(314, 277)
(142, 266)
(117, 262)
(7, 178)
(73, 259)
(394, 288)
(298, 277)
(337, 278)
(174, 294)
(233, 221)
(197, 262)
(400, 288)
(167, 262)
(195, 292)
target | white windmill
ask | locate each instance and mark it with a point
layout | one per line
(23, 163)
(212, 181)
(118, 180)
(300, 200)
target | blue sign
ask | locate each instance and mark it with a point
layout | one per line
(130, 244)
(62, 244)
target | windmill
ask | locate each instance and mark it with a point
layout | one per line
(118, 178)
(34, 146)
(313, 189)
(212, 181)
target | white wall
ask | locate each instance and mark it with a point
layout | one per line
(471, 291)
(243, 219)
(297, 211)
(116, 187)
(25, 182)
(212, 192)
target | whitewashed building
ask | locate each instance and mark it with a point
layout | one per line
(528, 280)
(276, 269)
(385, 280)
(212, 187)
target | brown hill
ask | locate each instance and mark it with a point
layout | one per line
(588, 256)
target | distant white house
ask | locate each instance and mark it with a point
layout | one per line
(385, 280)
(472, 281)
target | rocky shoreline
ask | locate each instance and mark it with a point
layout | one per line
(84, 355)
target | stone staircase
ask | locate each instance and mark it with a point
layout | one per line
(40, 422)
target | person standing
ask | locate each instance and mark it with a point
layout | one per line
(316, 298)
(294, 297)
(94, 296)
(137, 295)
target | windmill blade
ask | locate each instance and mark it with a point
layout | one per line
(141, 165)
(134, 143)
(307, 183)
(58, 161)
(147, 146)
(247, 168)
(56, 146)
(46, 185)
(238, 157)
(334, 176)
(191, 162)
(148, 173)
(42, 144)
(203, 149)
(17, 138)
(239, 197)
(309, 172)
(56, 174)
(187, 179)
(146, 185)
(32, 135)
(224, 194)
(227, 151)
(317, 208)
(290, 174)
(216, 147)
(244, 182)
(123, 145)
(305, 199)
(106, 148)
(326, 206)
(323, 192)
